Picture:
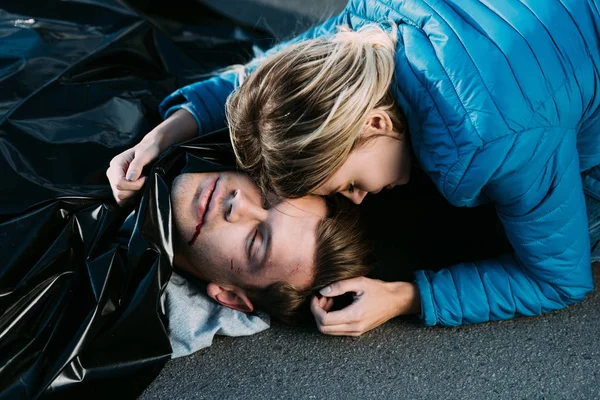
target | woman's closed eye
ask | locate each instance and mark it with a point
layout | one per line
(350, 188)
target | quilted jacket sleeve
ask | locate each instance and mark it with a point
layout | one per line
(205, 100)
(539, 199)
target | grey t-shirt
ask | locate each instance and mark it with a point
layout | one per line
(195, 318)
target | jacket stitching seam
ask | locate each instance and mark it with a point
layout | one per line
(433, 303)
(528, 221)
(561, 230)
(541, 172)
(512, 294)
(525, 98)
(485, 292)
(554, 255)
(569, 271)
(462, 313)
(476, 69)
(551, 97)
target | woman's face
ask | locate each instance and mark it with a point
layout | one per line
(380, 163)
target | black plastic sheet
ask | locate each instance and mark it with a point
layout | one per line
(81, 278)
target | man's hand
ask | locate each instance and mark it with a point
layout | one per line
(124, 173)
(375, 302)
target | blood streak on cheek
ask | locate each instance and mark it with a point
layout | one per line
(295, 269)
(238, 269)
(198, 229)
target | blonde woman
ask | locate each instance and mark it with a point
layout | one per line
(500, 103)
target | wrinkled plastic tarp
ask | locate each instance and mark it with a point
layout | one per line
(80, 81)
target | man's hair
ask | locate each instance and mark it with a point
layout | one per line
(297, 117)
(343, 252)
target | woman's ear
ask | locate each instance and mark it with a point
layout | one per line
(378, 122)
(231, 297)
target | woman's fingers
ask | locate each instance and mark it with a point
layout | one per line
(118, 167)
(326, 318)
(325, 303)
(315, 306)
(342, 330)
(120, 162)
(344, 316)
(125, 185)
(122, 188)
(327, 322)
(143, 156)
(349, 285)
(123, 195)
(341, 323)
(374, 303)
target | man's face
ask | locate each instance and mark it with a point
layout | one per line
(222, 232)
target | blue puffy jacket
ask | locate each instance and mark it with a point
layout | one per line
(502, 107)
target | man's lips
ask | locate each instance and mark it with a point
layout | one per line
(213, 200)
(204, 201)
(203, 205)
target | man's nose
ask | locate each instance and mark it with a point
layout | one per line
(241, 208)
(357, 196)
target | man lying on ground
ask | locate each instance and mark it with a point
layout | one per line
(255, 254)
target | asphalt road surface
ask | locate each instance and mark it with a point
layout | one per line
(554, 356)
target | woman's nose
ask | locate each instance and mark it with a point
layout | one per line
(241, 208)
(357, 196)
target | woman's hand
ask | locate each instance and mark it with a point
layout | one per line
(375, 302)
(124, 173)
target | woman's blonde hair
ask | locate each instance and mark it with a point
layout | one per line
(297, 117)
